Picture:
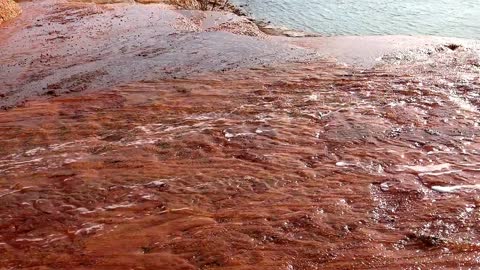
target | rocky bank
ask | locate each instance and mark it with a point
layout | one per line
(8, 10)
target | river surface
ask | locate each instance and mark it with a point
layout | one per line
(301, 166)
(372, 17)
(289, 166)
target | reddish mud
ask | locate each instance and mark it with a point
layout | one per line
(294, 167)
(57, 47)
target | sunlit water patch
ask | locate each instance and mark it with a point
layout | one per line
(372, 17)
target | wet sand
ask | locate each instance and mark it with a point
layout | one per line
(8, 10)
(370, 51)
(291, 165)
(58, 47)
(294, 167)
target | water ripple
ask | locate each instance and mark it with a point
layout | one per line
(367, 17)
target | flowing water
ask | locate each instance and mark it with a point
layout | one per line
(372, 17)
(296, 166)
(304, 166)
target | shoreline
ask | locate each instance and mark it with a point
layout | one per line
(269, 28)
(377, 46)
(9, 9)
(287, 21)
(176, 55)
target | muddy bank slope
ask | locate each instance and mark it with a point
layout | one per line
(303, 166)
(59, 47)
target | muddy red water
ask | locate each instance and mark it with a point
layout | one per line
(294, 166)
(57, 47)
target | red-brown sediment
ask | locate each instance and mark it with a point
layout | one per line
(58, 47)
(293, 166)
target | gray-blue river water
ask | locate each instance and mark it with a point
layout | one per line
(452, 18)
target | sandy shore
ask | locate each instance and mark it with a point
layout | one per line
(150, 137)
(69, 47)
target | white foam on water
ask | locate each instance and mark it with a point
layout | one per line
(426, 168)
(397, 103)
(344, 164)
(88, 230)
(470, 208)
(60, 146)
(438, 152)
(74, 158)
(384, 186)
(29, 239)
(156, 183)
(441, 173)
(312, 97)
(380, 169)
(56, 239)
(451, 189)
(83, 210)
(228, 134)
(147, 197)
(33, 151)
(141, 142)
(462, 103)
(145, 129)
(470, 165)
(116, 206)
(19, 162)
